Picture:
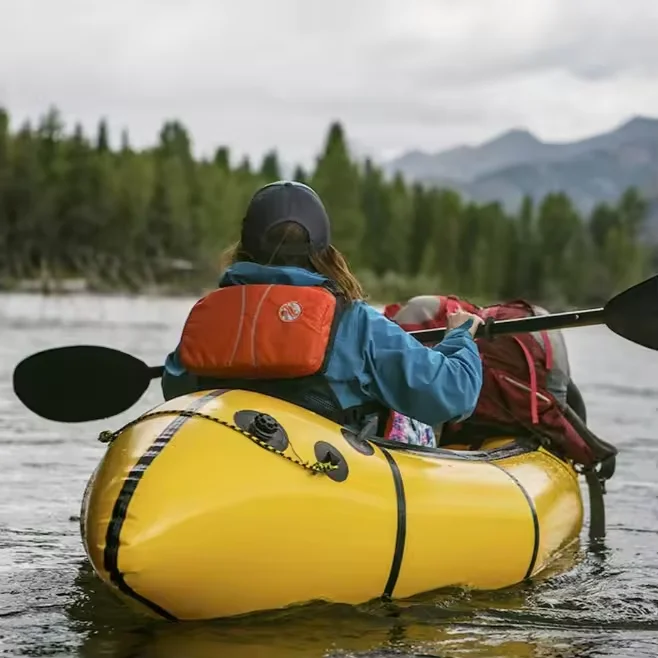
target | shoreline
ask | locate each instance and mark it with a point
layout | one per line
(79, 287)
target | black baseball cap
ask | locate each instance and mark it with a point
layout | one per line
(285, 201)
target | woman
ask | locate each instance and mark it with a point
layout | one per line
(289, 320)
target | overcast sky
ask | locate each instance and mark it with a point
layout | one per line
(400, 74)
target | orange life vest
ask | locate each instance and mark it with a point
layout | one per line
(261, 332)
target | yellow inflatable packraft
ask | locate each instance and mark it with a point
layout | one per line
(222, 503)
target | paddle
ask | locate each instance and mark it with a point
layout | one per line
(85, 382)
(79, 383)
(632, 314)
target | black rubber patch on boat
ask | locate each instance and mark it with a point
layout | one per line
(359, 444)
(401, 534)
(535, 520)
(113, 535)
(325, 453)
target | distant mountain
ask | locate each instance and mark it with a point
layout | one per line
(465, 163)
(516, 163)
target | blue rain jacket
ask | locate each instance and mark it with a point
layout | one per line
(373, 359)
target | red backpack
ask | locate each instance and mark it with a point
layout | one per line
(514, 396)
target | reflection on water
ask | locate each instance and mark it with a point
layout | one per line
(456, 623)
(537, 619)
(589, 604)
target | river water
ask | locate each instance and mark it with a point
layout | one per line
(593, 604)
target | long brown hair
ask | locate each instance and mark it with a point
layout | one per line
(329, 263)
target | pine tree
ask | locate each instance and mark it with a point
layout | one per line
(222, 158)
(336, 180)
(300, 175)
(103, 139)
(269, 168)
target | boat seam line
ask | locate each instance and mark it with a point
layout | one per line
(401, 530)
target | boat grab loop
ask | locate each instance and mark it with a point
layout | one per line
(107, 436)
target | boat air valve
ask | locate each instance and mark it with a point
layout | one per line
(263, 427)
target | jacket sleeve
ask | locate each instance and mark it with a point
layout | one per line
(176, 380)
(432, 385)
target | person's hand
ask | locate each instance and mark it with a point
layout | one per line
(459, 317)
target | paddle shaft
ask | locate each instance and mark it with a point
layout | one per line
(524, 325)
(156, 371)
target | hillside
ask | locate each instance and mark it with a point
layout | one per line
(517, 163)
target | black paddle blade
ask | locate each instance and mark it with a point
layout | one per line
(80, 383)
(633, 314)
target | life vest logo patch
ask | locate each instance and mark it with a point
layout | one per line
(290, 311)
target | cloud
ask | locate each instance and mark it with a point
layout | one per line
(400, 74)
(476, 42)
